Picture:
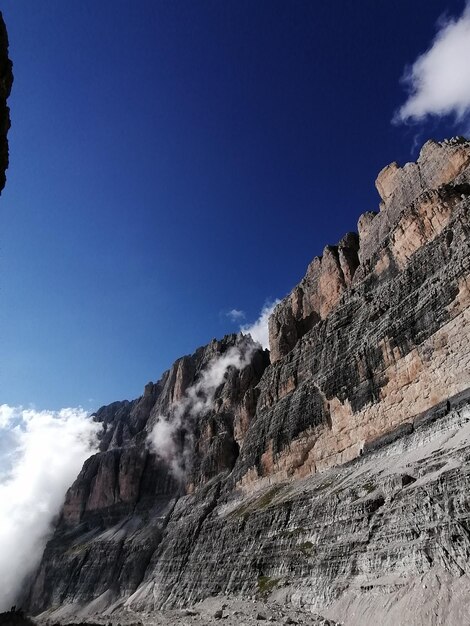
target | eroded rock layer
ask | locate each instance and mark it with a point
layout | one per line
(115, 513)
(396, 516)
(339, 468)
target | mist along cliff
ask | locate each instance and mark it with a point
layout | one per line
(332, 472)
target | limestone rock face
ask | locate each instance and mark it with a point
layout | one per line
(334, 476)
(392, 348)
(115, 512)
(327, 278)
(351, 536)
(439, 163)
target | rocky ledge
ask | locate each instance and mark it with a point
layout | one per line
(330, 473)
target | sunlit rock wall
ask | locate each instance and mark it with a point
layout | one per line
(286, 482)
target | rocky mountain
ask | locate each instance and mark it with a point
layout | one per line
(331, 472)
(327, 475)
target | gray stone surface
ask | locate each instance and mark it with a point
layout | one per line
(333, 478)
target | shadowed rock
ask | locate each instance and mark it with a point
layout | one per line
(6, 81)
(340, 468)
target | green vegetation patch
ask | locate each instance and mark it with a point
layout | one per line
(267, 498)
(259, 504)
(78, 548)
(294, 532)
(266, 584)
(369, 486)
(306, 548)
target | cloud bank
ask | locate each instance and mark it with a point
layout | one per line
(41, 453)
(439, 80)
(199, 397)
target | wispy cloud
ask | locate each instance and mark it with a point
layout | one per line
(439, 80)
(199, 397)
(40, 456)
(236, 315)
(259, 330)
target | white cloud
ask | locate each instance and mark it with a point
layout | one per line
(236, 315)
(41, 455)
(439, 80)
(199, 397)
(259, 330)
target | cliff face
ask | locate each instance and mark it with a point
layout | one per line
(307, 475)
(388, 339)
(115, 513)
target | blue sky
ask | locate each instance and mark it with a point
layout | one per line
(173, 161)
